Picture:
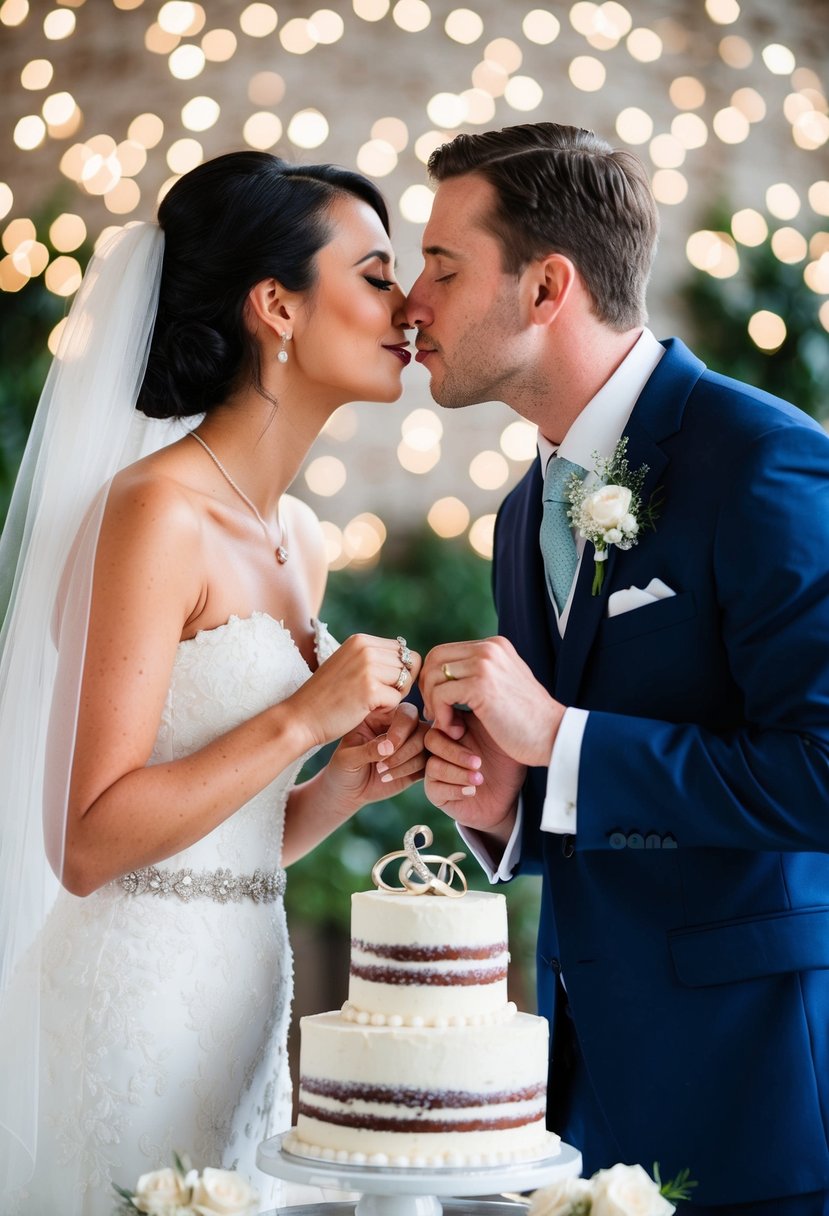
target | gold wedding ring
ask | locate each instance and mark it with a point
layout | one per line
(447, 674)
(402, 679)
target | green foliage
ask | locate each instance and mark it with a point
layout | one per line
(27, 317)
(678, 1188)
(720, 310)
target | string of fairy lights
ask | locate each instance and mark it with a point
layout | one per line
(115, 176)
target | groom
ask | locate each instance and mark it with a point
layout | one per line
(651, 730)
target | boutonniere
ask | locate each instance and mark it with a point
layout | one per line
(612, 512)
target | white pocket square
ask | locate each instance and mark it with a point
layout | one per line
(637, 597)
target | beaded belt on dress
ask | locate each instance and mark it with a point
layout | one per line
(262, 886)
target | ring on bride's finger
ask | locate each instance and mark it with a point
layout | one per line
(402, 679)
(405, 656)
(447, 674)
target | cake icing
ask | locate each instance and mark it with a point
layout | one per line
(429, 958)
(427, 1064)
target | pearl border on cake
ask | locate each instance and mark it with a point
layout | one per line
(548, 1146)
(362, 1017)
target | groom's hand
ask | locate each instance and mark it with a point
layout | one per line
(492, 681)
(472, 780)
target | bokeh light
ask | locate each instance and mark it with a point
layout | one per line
(481, 535)
(416, 204)
(325, 476)
(819, 197)
(219, 45)
(262, 130)
(200, 113)
(308, 129)
(736, 52)
(37, 74)
(767, 330)
(687, 93)
(783, 201)
(67, 232)
(587, 73)
(518, 440)
(464, 25)
(713, 252)
(488, 470)
(749, 227)
(789, 246)
(634, 126)
(59, 24)
(363, 537)
(448, 517)
(258, 20)
(541, 26)
(416, 460)
(778, 59)
(412, 15)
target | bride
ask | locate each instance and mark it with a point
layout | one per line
(165, 675)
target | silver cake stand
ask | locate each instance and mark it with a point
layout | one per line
(391, 1191)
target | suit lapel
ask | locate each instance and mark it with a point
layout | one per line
(656, 415)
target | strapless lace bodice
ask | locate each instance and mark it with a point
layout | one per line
(164, 1020)
(221, 678)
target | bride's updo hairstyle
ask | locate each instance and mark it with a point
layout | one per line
(229, 224)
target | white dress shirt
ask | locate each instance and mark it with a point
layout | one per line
(596, 431)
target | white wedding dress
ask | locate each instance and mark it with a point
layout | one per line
(164, 1018)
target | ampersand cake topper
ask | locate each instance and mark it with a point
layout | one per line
(415, 876)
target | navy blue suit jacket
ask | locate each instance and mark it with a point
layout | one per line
(689, 915)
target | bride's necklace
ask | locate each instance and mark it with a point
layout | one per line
(281, 552)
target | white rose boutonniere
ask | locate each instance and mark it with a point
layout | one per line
(623, 1190)
(612, 513)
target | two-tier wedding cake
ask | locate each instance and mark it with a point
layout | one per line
(427, 1064)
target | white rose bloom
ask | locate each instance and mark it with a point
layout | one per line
(613, 536)
(629, 525)
(627, 1190)
(159, 1192)
(560, 1198)
(608, 506)
(224, 1193)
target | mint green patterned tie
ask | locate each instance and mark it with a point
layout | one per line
(558, 546)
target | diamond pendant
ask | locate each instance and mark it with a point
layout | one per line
(281, 554)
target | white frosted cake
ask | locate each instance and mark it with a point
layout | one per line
(427, 1064)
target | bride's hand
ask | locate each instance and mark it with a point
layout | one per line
(379, 758)
(364, 676)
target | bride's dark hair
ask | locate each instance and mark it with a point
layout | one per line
(229, 224)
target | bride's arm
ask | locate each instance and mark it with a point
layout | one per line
(148, 583)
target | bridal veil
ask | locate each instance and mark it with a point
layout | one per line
(85, 430)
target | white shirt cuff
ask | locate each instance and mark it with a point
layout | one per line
(559, 811)
(509, 858)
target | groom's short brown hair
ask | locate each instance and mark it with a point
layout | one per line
(564, 190)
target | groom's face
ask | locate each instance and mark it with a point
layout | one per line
(465, 307)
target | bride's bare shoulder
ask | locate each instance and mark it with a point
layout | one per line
(157, 491)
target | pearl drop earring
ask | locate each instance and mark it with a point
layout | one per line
(283, 354)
